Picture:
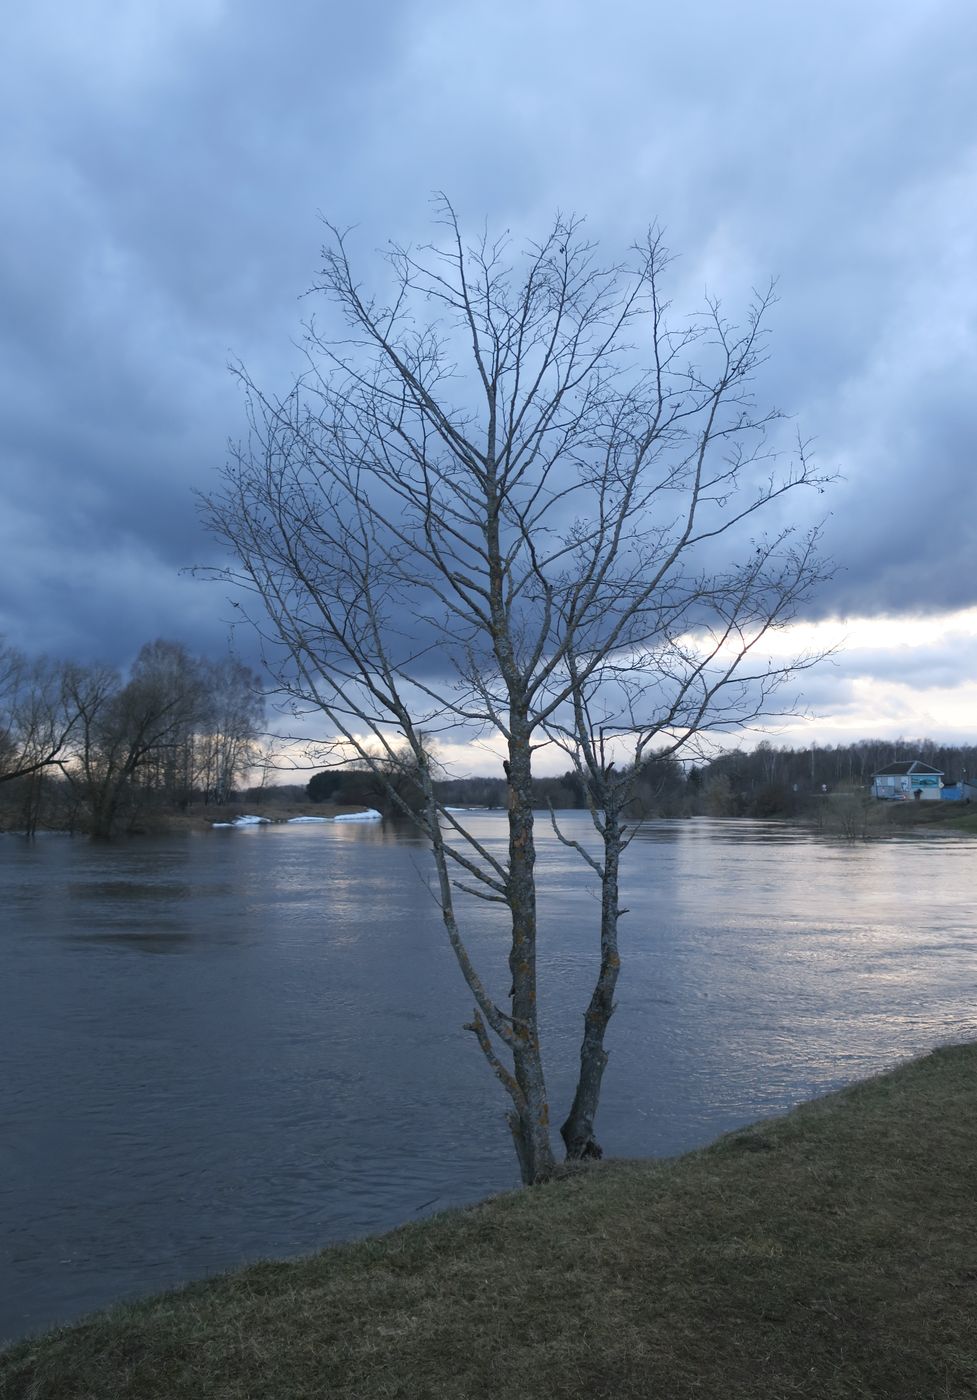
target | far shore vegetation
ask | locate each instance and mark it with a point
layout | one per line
(827, 1254)
(179, 743)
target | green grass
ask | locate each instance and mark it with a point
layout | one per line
(831, 1253)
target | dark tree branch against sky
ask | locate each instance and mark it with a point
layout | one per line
(164, 166)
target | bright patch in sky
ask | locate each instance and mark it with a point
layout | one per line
(889, 677)
(877, 633)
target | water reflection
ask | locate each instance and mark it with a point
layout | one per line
(298, 1073)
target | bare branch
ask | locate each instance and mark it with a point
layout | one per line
(512, 501)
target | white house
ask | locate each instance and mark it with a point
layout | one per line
(913, 780)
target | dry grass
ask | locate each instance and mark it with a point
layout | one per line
(828, 1254)
(959, 816)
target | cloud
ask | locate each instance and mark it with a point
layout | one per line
(163, 166)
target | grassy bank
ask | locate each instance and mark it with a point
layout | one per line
(957, 816)
(831, 1253)
(922, 816)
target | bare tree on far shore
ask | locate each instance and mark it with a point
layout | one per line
(36, 717)
(511, 498)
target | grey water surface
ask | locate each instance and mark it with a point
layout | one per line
(229, 1045)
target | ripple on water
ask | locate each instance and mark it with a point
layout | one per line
(299, 1073)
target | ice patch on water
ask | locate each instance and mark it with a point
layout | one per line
(370, 815)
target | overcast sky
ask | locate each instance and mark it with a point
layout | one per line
(165, 163)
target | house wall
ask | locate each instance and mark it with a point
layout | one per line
(898, 788)
(927, 784)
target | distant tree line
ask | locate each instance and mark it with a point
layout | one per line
(771, 781)
(766, 781)
(101, 748)
(360, 785)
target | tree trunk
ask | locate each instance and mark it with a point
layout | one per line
(105, 797)
(578, 1131)
(530, 1124)
(32, 804)
(103, 816)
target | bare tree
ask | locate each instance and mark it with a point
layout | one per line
(36, 717)
(494, 505)
(133, 731)
(227, 742)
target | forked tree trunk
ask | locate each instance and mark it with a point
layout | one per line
(578, 1131)
(355, 534)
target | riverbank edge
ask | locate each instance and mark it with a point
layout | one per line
(868, 820)
(831, 1252)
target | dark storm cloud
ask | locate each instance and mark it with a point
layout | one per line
(163, 165)
(161, 192)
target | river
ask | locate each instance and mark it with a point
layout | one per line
(237, 1044)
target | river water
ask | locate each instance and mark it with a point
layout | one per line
(237, 1044)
